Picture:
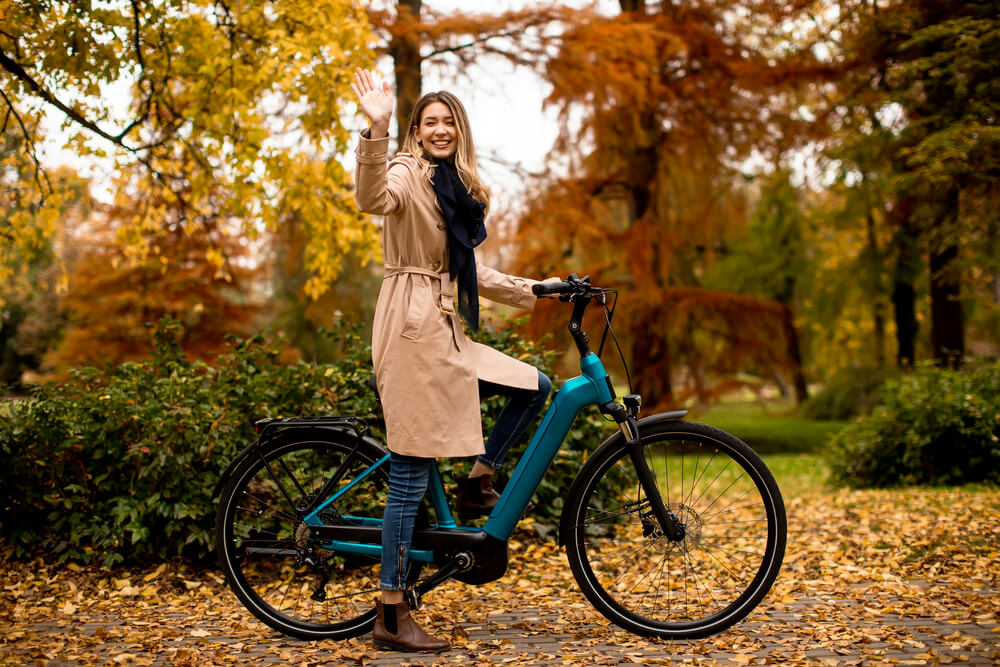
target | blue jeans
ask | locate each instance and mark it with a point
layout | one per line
(408, 475)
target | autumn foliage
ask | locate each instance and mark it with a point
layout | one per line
(674, 99)
(197, 275)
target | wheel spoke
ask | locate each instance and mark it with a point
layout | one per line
(645, 582)
(273, 563)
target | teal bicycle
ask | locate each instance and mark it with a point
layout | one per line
(672, 529)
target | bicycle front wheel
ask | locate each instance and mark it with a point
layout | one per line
(276, 568)
(734, 532)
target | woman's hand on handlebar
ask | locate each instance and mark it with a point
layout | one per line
(556, 287)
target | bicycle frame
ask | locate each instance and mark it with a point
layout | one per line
(592, 387)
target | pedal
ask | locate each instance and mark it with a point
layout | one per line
(414, 600)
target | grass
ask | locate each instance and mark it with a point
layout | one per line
(798, 473)
(770, 428)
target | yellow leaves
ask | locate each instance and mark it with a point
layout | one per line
(840, 599)
(230, 90)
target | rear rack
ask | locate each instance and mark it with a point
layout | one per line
(262, 426)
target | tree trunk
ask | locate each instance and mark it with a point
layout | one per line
(794, 354)
(995, 257)
(947, 322)
(903, 302)
(405, 52)
(632, 5)
(904, 279)
(651, 365)
(876, 286)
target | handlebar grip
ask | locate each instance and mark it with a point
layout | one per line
(560, 287)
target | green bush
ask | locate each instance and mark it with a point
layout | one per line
(120, 463)
(848, 394)
(936, 427)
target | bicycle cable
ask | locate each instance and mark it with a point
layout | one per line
(608, 316)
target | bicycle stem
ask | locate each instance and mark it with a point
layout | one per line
(576, 326)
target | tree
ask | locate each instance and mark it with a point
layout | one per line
(301, 319)
(113, 299)
(33, 244)
(232, 105)
(673, 97)
(951, 146)
(772, 261)
(412, 34)
(932, 64)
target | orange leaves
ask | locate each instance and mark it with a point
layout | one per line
(870, 577)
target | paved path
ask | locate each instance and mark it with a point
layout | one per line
(808, 631)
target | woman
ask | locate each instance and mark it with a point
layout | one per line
(430, 376)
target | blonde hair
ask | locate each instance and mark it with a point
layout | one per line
(465, 154)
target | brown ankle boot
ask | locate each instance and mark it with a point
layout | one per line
(476, 497)
(395, 630)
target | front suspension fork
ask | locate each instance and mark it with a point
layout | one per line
(667, 520)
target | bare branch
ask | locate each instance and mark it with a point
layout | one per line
(514, 167)
(18, 71)
(478, 40)
(135, 35)
(147, 103)
(29, 145)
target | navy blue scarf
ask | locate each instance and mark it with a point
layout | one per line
(464, 218)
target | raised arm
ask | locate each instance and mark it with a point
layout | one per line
(380, 189)
(377, 189)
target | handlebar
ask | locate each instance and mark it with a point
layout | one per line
(572, 285)
(545, 289)
(581, 293)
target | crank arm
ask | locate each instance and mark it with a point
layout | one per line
(444, 573)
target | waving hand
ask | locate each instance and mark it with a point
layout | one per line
(376, 103)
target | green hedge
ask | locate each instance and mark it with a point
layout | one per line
(936, 427)
(120, 463)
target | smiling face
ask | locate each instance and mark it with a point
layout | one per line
(437, 131)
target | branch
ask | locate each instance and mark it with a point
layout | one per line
(513, 167)
(478, 40)
(18, 71)
(148, 102)
(39, 172)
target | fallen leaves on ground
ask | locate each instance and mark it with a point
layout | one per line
(894, 577)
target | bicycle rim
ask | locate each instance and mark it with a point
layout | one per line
(734, 523)
(282, 575)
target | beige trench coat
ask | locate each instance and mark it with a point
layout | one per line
(426, 368)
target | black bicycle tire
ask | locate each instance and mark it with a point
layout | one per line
(294, 438)
(590, 476)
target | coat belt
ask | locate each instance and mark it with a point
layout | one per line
(447, 301)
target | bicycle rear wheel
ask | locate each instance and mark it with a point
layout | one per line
(734, 532)
(277, 570)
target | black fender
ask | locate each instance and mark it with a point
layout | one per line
(270, 434)
(617, 439)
